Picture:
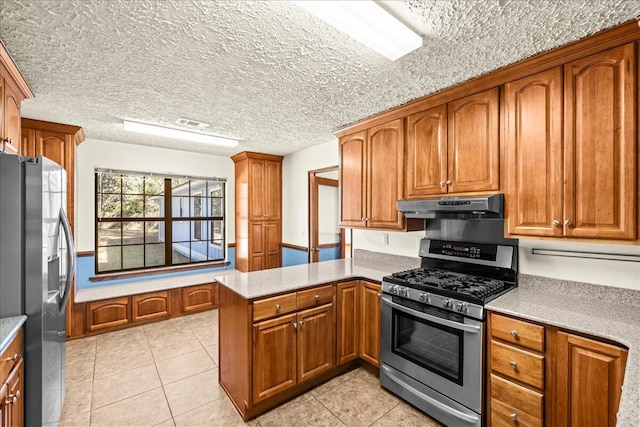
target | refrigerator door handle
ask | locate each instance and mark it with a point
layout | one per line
(70, 259)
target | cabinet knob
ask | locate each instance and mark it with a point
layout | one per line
(555, 223)
(14, 358)
(295, 325)
(449, 182)
(514, 333)
(568, 223)
(301, 323)
(378, 294)
(278, 307)
(366, 219)
(514, 364)
(317, 297)
(442, 183)
(514, 416)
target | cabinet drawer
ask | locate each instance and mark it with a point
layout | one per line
(315, 297)
(510, 400)
(8, 357)
(517, 364)
(517, 332)
(269, 307)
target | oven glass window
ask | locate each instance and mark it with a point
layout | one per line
(434, 347)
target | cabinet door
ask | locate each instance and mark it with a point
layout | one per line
(352, 179)
(11, 115)
(108, 313)
(385, 158)
(600, 145)
(257, 246)
(272, 190)
(589, 379)
(150, 306)
(473, 152)
(315, 342)
(533, 131)
(199, 297)
(274, 357)
(347, 319)
(370, 323)
(13, 398)
(256, 190)
(273, 244)
(426, 153)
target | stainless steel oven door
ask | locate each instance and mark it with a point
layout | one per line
(441, 350)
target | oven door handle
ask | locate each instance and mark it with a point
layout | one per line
(452, 411)
(455, 325)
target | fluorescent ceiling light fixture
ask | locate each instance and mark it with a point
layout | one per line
(178, 134)
(368, 23)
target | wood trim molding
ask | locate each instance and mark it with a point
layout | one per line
(231, 245)
(253, 155)
(85, 253)
(18, 79)
(603, 40)
(152, 271)
(327, 169)
(326, 181)
(329, 245)
(296, 247)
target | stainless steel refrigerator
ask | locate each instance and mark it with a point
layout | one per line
(36, 273)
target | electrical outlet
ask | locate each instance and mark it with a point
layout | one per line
(385, 239)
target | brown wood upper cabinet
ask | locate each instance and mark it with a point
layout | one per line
(258, 192)
(13, 90)
(56, 142)
(454, 147)
(586, 187)
(371, 175)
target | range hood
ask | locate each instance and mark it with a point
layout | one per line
(454, 207)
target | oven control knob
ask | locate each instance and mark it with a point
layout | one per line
(404, 292)
(446, 303)
(392, 289)
(424, 297)
(462, 306)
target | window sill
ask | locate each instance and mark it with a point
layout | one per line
(152, 271)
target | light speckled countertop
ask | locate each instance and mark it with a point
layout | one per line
(601, 311)
(9, 326)
(368, 265)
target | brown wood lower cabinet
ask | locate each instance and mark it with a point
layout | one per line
(358, 319)
(199, 297)
(589, 381)
(12, 384)
(117, 313)
(276, 347)
(539, 375)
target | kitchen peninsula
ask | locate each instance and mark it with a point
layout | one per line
(269, 318)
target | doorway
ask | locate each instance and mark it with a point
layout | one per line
(326, 238)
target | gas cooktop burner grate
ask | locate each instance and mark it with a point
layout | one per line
(453, 283)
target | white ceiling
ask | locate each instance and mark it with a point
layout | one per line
(265, 72)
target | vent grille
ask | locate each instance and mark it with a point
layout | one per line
(192, 123)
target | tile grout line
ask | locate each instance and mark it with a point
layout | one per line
(155, 364)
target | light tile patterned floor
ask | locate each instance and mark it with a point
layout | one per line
(166, 374)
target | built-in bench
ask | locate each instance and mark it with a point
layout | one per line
(113, 307)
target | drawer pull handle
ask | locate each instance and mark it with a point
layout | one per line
(277, 307)
(514, 364)
(514, 416)
(514, 333)
(317, 297)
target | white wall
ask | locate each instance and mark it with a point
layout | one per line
(295, 197)
(94, 154)
(612, 273)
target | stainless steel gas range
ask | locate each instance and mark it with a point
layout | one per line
(433, 317)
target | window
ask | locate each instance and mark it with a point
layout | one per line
(145, 221)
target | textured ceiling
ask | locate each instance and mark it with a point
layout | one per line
(267, 73)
